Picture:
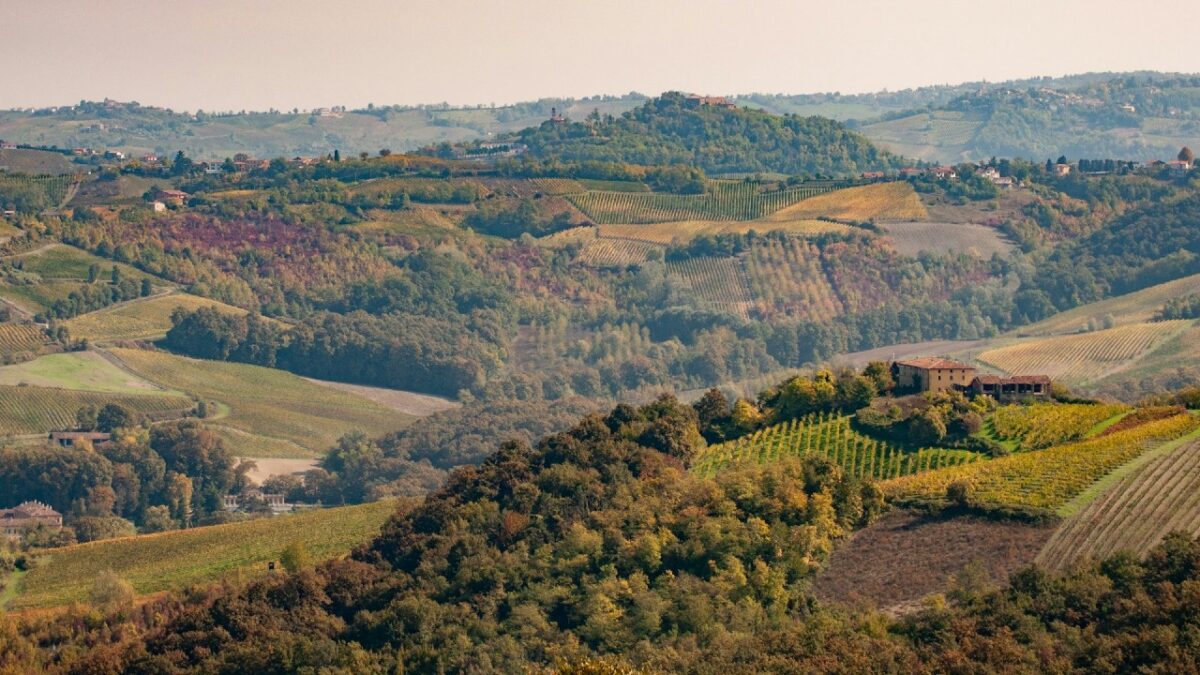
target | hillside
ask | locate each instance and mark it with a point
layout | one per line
(719, 140)
(167, 561)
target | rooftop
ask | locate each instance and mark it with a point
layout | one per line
(935, 363)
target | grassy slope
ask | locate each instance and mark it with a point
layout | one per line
(141, 319)
(1125, 309)
(267, 402)
(174, 560)
(39, 410)
(84, 371)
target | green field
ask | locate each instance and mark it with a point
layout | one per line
(726, 201)
(39, 410)
(61, 262)
(173, 560)
(82, 371)
(266, 402)
(37, 297)
(141, 319)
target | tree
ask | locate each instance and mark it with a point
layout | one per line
(958, 493)
(113, 416)
(96, 528)
(1185, 155)
(147, 287)
(110, 591)
(712, 408)
(158, 519)
(85, 418)
(295, 557)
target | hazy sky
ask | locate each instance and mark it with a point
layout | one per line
(256, 54)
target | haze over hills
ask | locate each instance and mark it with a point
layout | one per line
(673, 384)
(1139, 115)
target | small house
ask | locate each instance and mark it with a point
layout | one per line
(944, 172)
(68, 439)
(1061, 170)
(171, 197)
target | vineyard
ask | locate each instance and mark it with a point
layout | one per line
(831, 437)
(786, 279)
(34, 193)
(16, 338)
(39, 410)
(1085, 357)
(141, 319)
(268, 402)
(1041, 425)
(716, 282)
(1043, 479)
(615, 252)
(1160, 496)
(912, 237)
(727, 200)
(204, 555)
(877, 202)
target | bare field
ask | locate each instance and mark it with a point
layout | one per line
(906, 556)
(912, 237)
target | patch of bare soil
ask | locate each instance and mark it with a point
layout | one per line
(906, 556)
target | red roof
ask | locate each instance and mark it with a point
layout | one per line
(935, 363)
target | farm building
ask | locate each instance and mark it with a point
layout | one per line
(68, 439)
(931, 373)
(1010, 388)
(28, 515)
(276, 503)
(944, 172)
(698, 101)
(173, 197)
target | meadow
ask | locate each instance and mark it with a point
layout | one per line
(174, 560)
(79, 371)
(270, 403)
(912, 237)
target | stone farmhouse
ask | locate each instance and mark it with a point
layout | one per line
(931, 373)
(26, 516)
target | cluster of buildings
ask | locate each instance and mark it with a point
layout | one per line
(931, 373)
(277, 504)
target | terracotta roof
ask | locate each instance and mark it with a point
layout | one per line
(29, 510)
(935, 363)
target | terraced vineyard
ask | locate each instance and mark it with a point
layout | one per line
(727, 201)
(203, 555)
(1043, 479)
(717, 282)
(1081, 358)
(17, 337)
(1157, 497)
(615, 252)
(1041, 425)
(39, 410)
(828, 436)
(786, 278)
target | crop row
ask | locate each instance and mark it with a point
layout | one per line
(1042, 425)
(1080, 358)
(20, 338)
(1044, 479)
(36, 410)
(829, 436)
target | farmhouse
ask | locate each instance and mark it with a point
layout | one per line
(1179, 166)
(7, 145)
(1062, 169)
(28, 515)
(698, 101)
(68, 439)
(172, 197)
(943, 172)
(911, 172)
(930, 373)
(1009, 388)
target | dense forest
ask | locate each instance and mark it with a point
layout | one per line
(668, 130)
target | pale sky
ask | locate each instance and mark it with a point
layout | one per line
(257, 54)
